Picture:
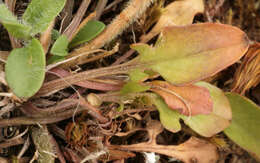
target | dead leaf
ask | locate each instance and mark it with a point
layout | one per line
(118, 155)
(188, 100)
(248, 73)
(45, 38)
(176, 13)
(193, 150)
(43, 144)
(70, 30)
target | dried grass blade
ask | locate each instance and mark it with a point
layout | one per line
(70, 30)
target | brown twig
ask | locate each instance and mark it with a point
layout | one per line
(70, 30)
(94, 111)
(32, 111)
(100, 8)
(57, 131)
(40, 120)
(24, 148)
(11, 143)
(115, 2)
(66, 15)
(57, 150)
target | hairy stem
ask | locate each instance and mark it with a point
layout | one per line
(131, 13)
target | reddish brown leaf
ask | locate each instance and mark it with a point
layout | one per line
(188, 100)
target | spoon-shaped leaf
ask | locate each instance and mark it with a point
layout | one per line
(244, 129)
(186, 54)
(205, 125)
(25, 69)
(218, 120)
(133, 87)
(40, 13)
(60, 46)
(12, 25)
(88, 32)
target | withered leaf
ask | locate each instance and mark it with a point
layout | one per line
(176, 13)
(187, 100)
(193, 150)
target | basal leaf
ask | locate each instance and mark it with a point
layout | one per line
(218, 120)
(138, 75)
(168, 117)
(186, 54)
(60, 46)
(39, 14)
(55, 34)
(25, 69)
(187, 100)
(205, 125)
(88, 32)
(244, 129)
(55, 58)
(133, 87)
(12, 25)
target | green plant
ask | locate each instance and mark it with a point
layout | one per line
(25, 67)
(183, 56)
(168, 76)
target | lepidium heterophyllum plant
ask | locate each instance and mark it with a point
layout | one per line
(183, 56)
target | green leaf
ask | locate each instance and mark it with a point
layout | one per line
(120, 108)
(39, 14)
(88, 32)
(55, 59)
(205, 125)
(133, 87)
(60, 46)
(244, 129)
(218, 120)
(12, 25)
(137, 75)
(186, 54)
(55, 34)
(25, 69)
(168, 117)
